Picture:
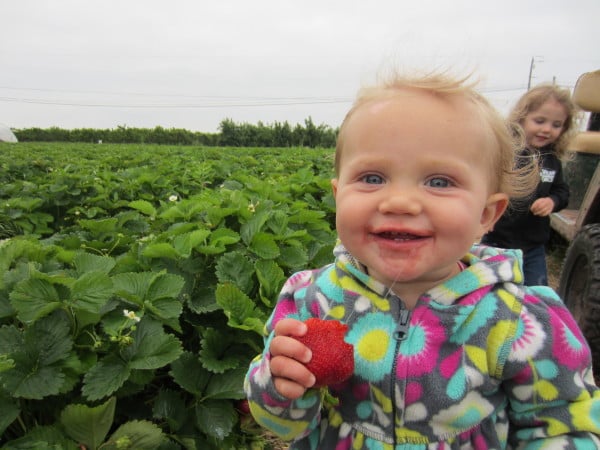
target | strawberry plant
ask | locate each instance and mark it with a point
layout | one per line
(135, 284)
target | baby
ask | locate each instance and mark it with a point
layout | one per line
(451, 349)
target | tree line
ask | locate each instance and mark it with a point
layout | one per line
(231, 134)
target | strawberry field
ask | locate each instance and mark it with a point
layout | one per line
(135, 282)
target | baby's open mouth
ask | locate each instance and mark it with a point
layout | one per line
(399, 236)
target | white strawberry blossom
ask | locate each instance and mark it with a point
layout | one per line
(252, 207)
(131, 315)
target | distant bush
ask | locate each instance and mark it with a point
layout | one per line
(231, 134)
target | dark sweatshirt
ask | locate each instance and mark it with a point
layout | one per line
(518, 227)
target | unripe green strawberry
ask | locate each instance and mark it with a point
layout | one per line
(332, 359)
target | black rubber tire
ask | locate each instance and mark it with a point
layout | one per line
(579, 286)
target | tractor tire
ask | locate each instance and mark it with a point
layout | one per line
(579, 286)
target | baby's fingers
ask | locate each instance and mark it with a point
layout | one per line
(288, 388)
(291, 348)
(291, 377)
(290, 327)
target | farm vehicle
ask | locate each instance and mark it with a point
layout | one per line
(579, 223)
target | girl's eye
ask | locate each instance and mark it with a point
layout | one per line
(372, 179)
(438, 182)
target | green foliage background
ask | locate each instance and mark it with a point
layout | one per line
(135, 282)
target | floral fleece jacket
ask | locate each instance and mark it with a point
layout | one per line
(481, 362)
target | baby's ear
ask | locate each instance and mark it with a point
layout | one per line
(334, 185)
(494, 208)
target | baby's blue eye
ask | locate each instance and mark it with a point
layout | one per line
(372, 179)
(438, 182)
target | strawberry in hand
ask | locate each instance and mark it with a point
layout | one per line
(332, 359)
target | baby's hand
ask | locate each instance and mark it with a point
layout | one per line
(288, 356)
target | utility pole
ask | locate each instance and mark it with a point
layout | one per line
(531, 66)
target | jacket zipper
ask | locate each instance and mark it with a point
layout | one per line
(400, 334)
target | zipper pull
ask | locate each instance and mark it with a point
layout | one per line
(402, 327)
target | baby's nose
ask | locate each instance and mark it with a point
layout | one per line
(404, 201)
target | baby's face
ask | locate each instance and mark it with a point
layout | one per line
(414, 187)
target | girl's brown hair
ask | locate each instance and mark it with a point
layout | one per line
(535, 98)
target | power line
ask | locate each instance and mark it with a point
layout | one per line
(142, 94)
(283, 102)
(211, 101)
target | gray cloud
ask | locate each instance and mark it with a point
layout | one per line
(190, 64)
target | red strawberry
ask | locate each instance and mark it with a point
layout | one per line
(243, 407)
(332, 359)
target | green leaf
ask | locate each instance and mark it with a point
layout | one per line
(34, 298)
(278, 222)
(215, 214)
(6, 363)
(224, 236)
(305, 216)
(182, 211)
(11, 339)
(49, 339)
(33, 383)
(6, 309)
(139, 434)
(188, 373)
(165, 308)
(214, 353)
(144, 207)
(186, 242)
(160, 250)
(203, 299)
(228, 385)
(264, 246)
(253, 226)
(43, 438)
(169, 405)
(219, 239)
(235, 267)
(216, 418)
(271, 279)
(87, 262)
(37, 372)
(105, 377)
(100, 225)
(164, 285)
(239, 309)
(9, 411)
(294, 257)
(133, 286)
(91, 291)
(152, 348)
(89, 425)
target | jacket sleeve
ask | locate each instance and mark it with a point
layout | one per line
(553, 401)
(559, 191)
(289, 419)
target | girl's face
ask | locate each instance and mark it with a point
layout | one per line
(413, 191)
(544, 125)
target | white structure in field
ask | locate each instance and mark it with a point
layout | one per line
(6, 134)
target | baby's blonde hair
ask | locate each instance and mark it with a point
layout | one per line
(535, 98)
(513, 181)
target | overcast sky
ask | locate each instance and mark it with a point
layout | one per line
(192, 63)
